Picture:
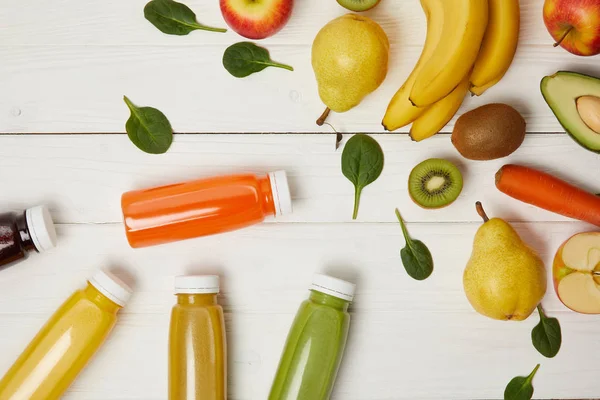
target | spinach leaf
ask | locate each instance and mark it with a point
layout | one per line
(546, 336)
(148, 129)
(362, 163)
(416, 257)
(520, 388)
(174, 18)
(245, 58)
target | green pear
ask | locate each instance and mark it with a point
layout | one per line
(350, 59)
(504, 279)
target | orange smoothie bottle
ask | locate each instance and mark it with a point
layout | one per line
(203, 207)
(67, 342)
(197, 344)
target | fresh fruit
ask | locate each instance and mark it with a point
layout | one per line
(358, 5)
(574, 25)
(401, 111)
(499, 45)
(350, 60)
(256, 19)
(439, 114)
(489, 132)
(465, 22)
(575, 101)
(576, 273)
(504, 278)
(434, 183)
(548, 192)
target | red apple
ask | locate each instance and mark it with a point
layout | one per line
(576, 272)
(256, 19)
(574, 24)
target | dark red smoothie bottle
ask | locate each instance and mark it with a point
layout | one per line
(30, 230)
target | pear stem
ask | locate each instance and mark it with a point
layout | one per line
(481, 211)
(323, 117)
(563, 37)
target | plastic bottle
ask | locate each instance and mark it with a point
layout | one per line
(197, 343)
(66, 343)
(20, 233)
(203, 207)
(315, 345)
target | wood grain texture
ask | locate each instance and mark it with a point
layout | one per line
(84, 176)
(65, 68)
(408, 340)
(66, 65)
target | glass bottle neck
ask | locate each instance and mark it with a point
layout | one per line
(24, 235)
(328, 300)
(266, 195)
(200, 299)
(101, 300)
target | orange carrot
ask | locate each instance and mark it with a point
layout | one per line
(548, 192)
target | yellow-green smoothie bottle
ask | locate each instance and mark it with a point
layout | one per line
(197, 344)
(315, 345)
(67, 342)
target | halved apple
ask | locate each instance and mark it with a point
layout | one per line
(576, 273)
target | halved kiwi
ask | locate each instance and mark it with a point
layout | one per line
(358, 5)
(435, 183)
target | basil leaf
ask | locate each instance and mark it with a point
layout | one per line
(546, 336)
(245, 58)
(174, 18)
(520, 388)
(148, 129)
(416, 257)
(362, 163)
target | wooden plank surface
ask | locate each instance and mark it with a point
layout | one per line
(65, 68)
(66, 65)
(83, 177)
(408, 340)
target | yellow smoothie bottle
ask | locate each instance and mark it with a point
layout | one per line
(197, 344)
(66, 343)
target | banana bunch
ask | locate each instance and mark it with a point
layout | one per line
(470, 45)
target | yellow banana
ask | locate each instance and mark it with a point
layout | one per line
(499, 45)
(401, 111)
(465, 22)
(478, 90)
(439, 114)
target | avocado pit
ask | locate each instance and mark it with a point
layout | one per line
(588, 108)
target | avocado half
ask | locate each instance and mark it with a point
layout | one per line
(561, 92)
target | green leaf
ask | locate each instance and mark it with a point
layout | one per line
(362, 163)
(546, 336)
(416, 257)
(148, 129)
(174, 18)
(520, 388)
(245, 58)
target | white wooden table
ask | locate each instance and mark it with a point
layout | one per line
(64, 68)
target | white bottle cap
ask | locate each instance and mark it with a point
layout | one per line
(196, 284)
(281, 193)
(41, 228)
(333, 287)
(112, 287)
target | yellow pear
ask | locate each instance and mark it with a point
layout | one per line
(350, 59)
(504, 279)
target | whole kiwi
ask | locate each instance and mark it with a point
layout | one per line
(489, 132)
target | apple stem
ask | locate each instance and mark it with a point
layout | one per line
(563, 37)
(323, 117)
(481, 211)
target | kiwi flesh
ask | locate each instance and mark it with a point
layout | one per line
(435, 183)
(358, 5)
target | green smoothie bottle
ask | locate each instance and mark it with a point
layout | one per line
(315, 345)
